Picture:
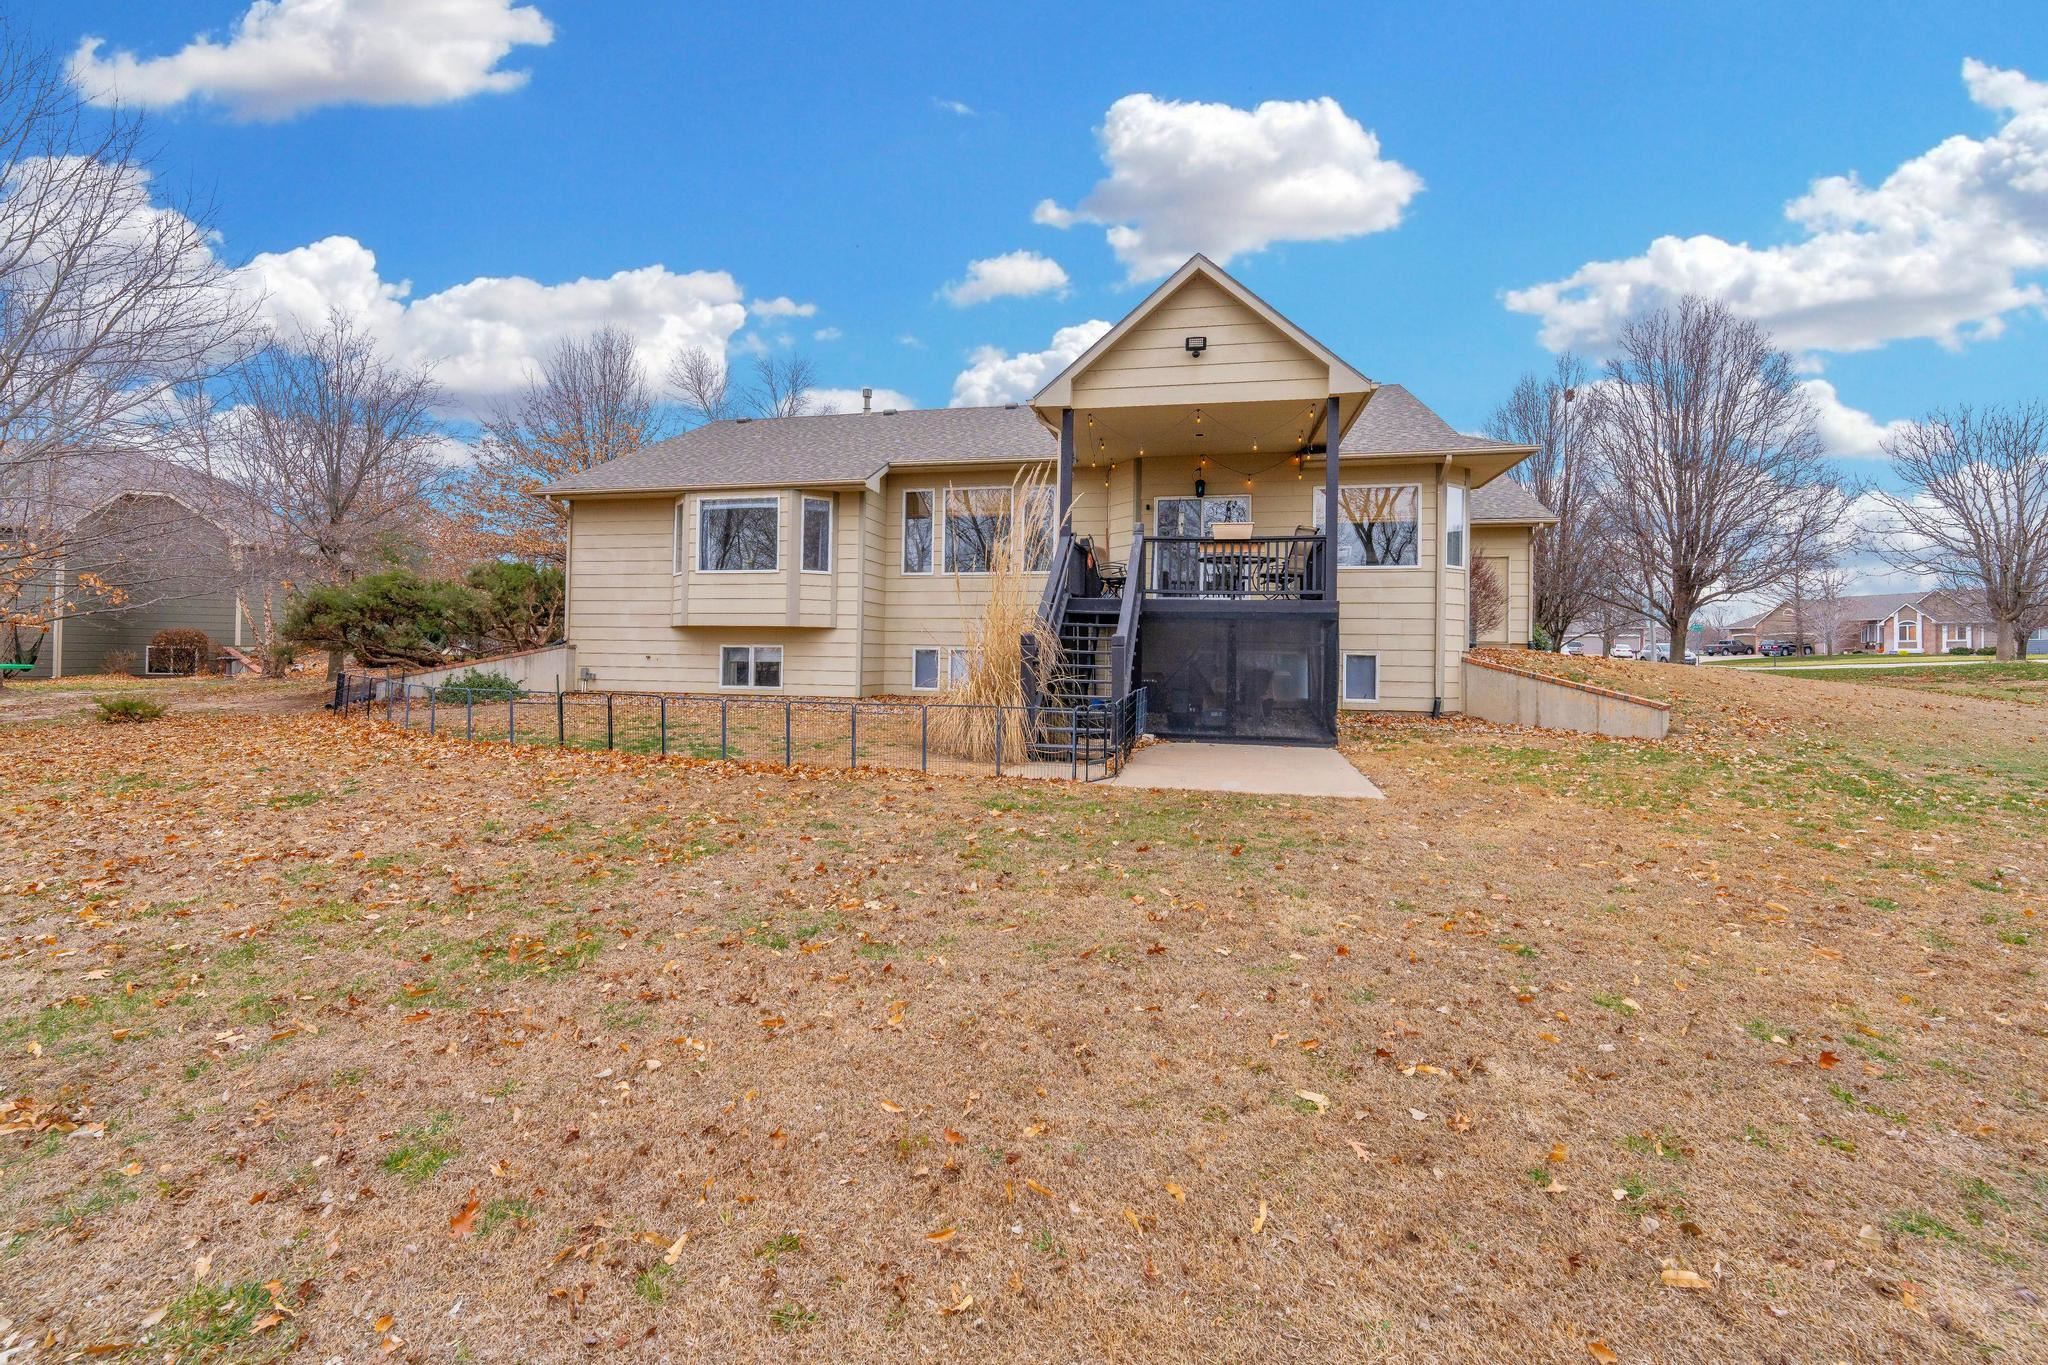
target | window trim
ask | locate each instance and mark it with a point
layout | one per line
(945, 541)
(803, 512)
(704, 502)
(938, 667)
(678, 566)
(902, 560)
(1342, 489)
(1344, 672)
(781, 663)
(1464, 526)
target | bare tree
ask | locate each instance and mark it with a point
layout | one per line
(589, 403)
(1974, 510)
(337, 445)
(108, 302)
(1549, 413)
(1828, 605)
(1486, 600)
(1715, 483)
(782, 386)
(702, 383)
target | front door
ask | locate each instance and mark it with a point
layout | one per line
(1177, 567)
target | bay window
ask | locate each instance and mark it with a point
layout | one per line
(738, 535)
(1378, 525)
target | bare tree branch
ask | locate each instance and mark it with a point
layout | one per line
(590, 403)
(1550, 414)
(702, 383)
(1975, 510)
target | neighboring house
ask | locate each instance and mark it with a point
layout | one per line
(1188, 448)
(156, 531)
(1922, 622)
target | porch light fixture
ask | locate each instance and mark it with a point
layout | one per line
(1201, 487)
(1197, 345)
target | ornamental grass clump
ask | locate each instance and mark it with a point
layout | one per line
(988, 706)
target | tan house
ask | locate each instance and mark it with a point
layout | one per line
(1922, 622)
(1184, 470)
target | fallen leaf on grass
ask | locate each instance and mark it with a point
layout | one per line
(1259, 1223)
(1826, 1061)
(1680, 1278)
(1038, 1189)
(1599, 1351)
(939, 1238)
(382, 1325)
(1321, 1102)
(1180, 1196)
(464, 1222)
(1358, 1148)
(675, 1249)
(889, 1108)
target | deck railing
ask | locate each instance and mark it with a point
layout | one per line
(1260, 568)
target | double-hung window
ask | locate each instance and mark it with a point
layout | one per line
(817, 528)
(924, 670)
(738, 535)
(977, 522)
(1454, 525)
(750, 666)
(1378, 525)
(917, 530)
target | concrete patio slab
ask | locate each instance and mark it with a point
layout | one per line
(1262, 769)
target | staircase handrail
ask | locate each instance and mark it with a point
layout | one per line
(1123, 645)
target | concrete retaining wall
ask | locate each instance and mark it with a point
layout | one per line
(550, 668)
(1517, 696)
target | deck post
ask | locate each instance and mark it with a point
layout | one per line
(1330, 498)
(1066, 483)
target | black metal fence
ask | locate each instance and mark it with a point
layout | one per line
(1083, 742)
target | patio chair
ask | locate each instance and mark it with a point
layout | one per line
(1288, 575)
(1113, 576)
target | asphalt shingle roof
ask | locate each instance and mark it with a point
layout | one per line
(1508, 500)
(854, 447)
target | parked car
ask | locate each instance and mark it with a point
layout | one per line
(1574, 649)
(1782, 649)
(1664, 655)
(1725, 647)
(1621, 652)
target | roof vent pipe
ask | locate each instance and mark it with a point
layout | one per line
(867, 399)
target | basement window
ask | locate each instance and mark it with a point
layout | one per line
(1361, 677)
(757, 666)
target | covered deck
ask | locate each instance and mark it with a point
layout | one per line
(1194, 437)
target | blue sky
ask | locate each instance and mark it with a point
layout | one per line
(851, 162)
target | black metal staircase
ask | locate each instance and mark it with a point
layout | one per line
(1082, 701)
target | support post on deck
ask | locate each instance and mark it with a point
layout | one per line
(1066, 483)
(1331, 509)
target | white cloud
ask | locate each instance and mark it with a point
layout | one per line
(1187, 177)
(781, 307)
(827, 334)
(848, 400)
(1941, 249)
(1015, 274)
(484, 337)
(284, 57)
(1848, 433)
(995, 376)
(954, 107)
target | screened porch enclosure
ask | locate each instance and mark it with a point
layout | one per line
(1243, 671)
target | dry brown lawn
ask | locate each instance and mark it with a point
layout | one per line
(319, 1040)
